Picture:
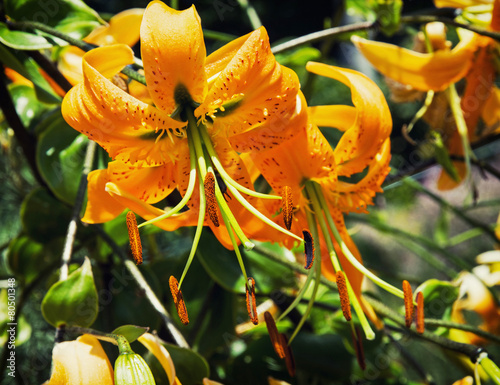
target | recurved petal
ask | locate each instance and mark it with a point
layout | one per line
(158, 350)
(336, 116)
(173, 52)
(123, 28)
(460, 3)
(253, 92)
(373, 123)
(80, 362)
(127, 128)
(423, 71)
(101, 207)
(149, 184)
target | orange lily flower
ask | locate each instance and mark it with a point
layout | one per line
(471, 59)
(84, 362)
(206, 111)
(309, 165)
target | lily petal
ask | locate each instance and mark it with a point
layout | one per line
(335, 116)
(173, 52)
(123, 28)
(373, 124)
(80, 362)
(127, 128)
(423, 71)
(263, 94)
(101, 207)
(151, 343)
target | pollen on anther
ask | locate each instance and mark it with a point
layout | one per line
(287, 206)
(274, 335)
(308, 248)
(251, 304)
(134, 238)
(180, 305)
(408, 298)
(420, 313)
(344, 295)
(209, 185)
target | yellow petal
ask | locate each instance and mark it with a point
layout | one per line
(70, 64)
(123, 28)
(206, 381)
(423, 71)
(373, 123)
(80, 362)
(152, 344)
(335, 116)
(101, 207)
(127, 128)
(173, 52)
(491, 111)
(460, 3)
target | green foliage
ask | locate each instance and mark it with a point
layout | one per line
(130, 332)
(72, 301)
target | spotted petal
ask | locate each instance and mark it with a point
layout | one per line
(373, 124)
(173, 52)
(127, 128)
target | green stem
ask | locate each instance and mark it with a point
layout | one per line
(464, 327)
(251, 13)
(327, 33)
(490, 368)
(458, 212)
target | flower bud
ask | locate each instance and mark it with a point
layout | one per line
(131, 369)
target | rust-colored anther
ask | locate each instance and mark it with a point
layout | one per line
(287, 206)
(209, 185)
(308, 248)
(251, 303)
(357, 341)
(420, 313)
(134, 238)
(180, 305)
(344, 295)
(274, 335)
(289, 359)
(408, 298)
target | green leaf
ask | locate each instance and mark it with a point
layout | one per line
(190, 367)
(221, 264)
(130, 332)
(388, 15)
(442, 231)
(43, 217)
(438, 298)
(28, 107)
(25, 66)
(23, 328)
(22, 40)
(299, 56)
(73, 17)
(443, 157)
(60, 156)
(72, 301)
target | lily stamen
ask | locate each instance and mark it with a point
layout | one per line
(209, 186)
(308, 248)
(287, 207)
(420, 313)
(344, 295)
(251, 303)
(134, 238)
(358, 348)
(274, 335)
(180, 305)
(289, 359)
(408, 298)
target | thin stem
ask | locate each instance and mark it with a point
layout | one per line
(51, 70)
(324, 34)
(422, 19)
(464, 327)
(77, 207)
(251, 13)
(143, 284)
(459, 213)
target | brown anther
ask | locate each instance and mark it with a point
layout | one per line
(420, 313)
(357, 341)
(308, 248)
(134, 238)
(289, 359)
(287, 206)
(274, 335)
(180, 305)
(251, 304)
(209, 185)
(408, 298)
(344, 295)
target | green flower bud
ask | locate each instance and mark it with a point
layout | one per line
(131, 369)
